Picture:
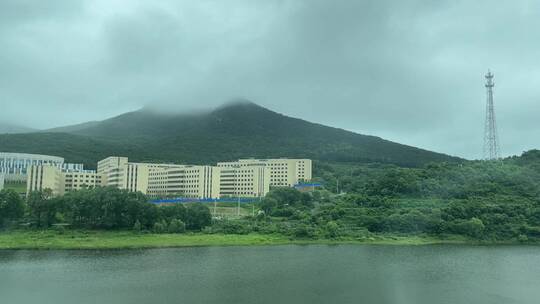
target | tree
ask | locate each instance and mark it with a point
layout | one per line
(304, 231)
(282, 201)
(42, 208)
(197, 217)
(11, 206)
(137, 226)
(176, 211)
(177, 226)
(332, 229)
(108, 208)
(268, 204)
(473, 227)
(159, 227)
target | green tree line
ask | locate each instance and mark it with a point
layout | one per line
(99, 208)
(490, 201)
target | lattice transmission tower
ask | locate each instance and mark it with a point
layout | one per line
(491, 137)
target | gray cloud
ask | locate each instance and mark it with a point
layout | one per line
(410, 71)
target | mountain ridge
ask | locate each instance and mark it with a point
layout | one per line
(235, 130)
(7, 128)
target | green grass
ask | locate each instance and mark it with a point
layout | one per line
(17, 187)
(123, 240)
(50, 239)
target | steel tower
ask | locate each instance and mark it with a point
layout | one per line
(491, 138)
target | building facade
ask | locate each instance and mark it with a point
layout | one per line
(120, 173)
(42, 177)
(244, 181)
(60, 181)
(243, 178)
(14, 166)
(79, 180)
(112, 170)
(185, 181)
(284, 172)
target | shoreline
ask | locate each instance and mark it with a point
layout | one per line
(126, 240)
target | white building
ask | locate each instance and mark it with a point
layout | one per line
(15, 165)
(185, 181)
(80, 180)
(2, 181)
(284, 172)
(120, 173)
(243, 178)
(47, 176)
(60, 181)
(245, 181)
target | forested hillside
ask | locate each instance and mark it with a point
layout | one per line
(237, 130)
(484, 201)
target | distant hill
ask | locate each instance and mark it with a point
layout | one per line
(73, 128)
(240, 129)
(6, 128)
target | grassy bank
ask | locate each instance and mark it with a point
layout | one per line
(129, 240)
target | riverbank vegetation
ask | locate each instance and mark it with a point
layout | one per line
(484, 202)
(99, 239)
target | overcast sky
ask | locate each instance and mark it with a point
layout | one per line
(408, 71)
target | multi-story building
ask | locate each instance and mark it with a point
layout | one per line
(42, 177)
(244, 181)
(284, 172)
(120, 173)
(112, 171)
(244, 178)
(1, 181)
(14, 166)
(60, 181)
(184, 180)
(80, 180)
(160, 179)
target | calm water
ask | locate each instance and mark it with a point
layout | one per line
(279, 274)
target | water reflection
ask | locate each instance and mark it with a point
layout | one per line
(278, 274)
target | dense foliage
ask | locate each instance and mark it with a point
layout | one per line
(11, 207)
(485, 201)
(105, 208)
(517, 177)
(491, 201)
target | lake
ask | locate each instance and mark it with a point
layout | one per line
(275, 274)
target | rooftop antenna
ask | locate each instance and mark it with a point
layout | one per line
(491, 137)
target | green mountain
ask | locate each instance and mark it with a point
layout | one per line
(236, 130)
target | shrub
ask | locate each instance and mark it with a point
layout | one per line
(231, 227)
(332, 229)
(159, 228)
(177, 226)
(523, 238)
(304, 231)
(137, 226)
(60, 229)
(473, 227)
